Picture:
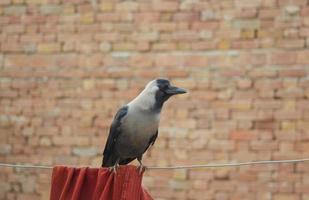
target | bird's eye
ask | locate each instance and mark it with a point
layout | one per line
(164, 87)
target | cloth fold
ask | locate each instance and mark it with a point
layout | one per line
(85, 183)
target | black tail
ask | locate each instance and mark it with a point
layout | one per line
(126, 161)
(110, 160)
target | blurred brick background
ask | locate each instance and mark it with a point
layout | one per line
(65, 68)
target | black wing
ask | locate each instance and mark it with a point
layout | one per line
(152, 140)
(109, 157)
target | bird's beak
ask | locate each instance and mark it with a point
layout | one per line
(172, 90)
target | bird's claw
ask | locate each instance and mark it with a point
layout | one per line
(141, 168)
(114, 168)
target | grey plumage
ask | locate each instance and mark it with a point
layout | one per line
(135, 126)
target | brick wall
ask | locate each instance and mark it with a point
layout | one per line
(65, 69)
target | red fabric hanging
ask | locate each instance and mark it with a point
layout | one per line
(97, 184)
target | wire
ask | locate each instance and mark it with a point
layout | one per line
(25, 166)
(262, 162)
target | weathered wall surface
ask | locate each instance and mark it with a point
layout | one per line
(65, 69)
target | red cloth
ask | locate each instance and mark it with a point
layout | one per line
(97, 184)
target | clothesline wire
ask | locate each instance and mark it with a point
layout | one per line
(215, 165)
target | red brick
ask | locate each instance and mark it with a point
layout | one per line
(263, 145)
(286, 197)
(293, 73)
(247, 13)
(268, 83)
(269, 13)
(165, 6)
(163, 46)
(205, 25)
(283, 58)
(302, 57)
(243, 135)
(291, 44)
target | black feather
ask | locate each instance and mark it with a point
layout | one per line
(152, 140)
(109, 155)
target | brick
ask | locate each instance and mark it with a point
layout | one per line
(165, 5)
(8, 94)
(5, 2)
(146, 36)
(247, 34)
(268, 83)
(87, 18)
(290, 93)
(221, 186)
(105, 46)
(288, 126)
(11, 47)
(50, 9)
(293, 33)
(29, 61)
(286, 197)
(244, 83)
(243, 135)
(293, 73)
(15, 10)
(263, 145)
(180, 174)
(106, 6)
(263, 72)
(240, 104)
(291, 44)
(247, 13)
(203, 45)
(163, 46)
(268, 104)
(68, 140)
(269, 13)
(185, 16)
(206, 34)
(224, 44)
(302, 57)
(245, 44)
(82, 151)
(14, 29)
(287, 115)
(246, 4)
(45, 141)
(49, 47)
(283, 58)
(68, 9)
(207, 25)
(209, 15)
(5, 149)
(123, 46)
(246, 24)
(28, 131)
(127, 6)
(221, 145)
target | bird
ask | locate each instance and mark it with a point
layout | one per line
(135, 126)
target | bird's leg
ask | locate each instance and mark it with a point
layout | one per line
(115, 167)
(141, 167)
(149, 150)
